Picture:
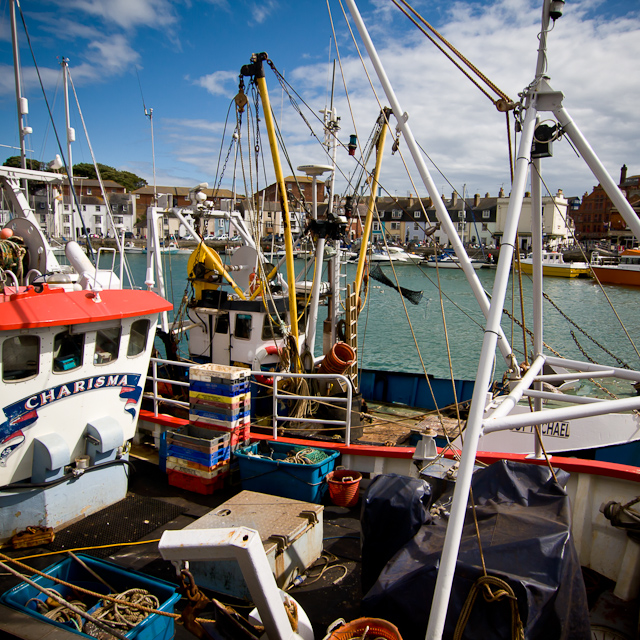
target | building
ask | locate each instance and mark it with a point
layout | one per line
(597, 221)
(94, 214)
(557, 225)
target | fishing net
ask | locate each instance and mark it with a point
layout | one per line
(378, 274)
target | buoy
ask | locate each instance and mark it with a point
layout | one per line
(6, 233)
(261, 354)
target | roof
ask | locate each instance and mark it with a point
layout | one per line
(57, 307)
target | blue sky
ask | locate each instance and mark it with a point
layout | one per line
(183, 56)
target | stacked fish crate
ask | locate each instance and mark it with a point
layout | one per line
(219, 422)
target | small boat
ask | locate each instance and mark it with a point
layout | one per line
(553, 265)
(625, 270)
(129, 247)
(448, 261)
(396, 255)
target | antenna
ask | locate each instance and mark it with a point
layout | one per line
(148, 112)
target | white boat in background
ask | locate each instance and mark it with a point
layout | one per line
(447, 261)
(553, 265)
(394, 254)
(130, 247)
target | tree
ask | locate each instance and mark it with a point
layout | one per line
(130, 181)
(16, 161)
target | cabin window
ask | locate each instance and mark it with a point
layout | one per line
(243, 326)
(138, 338)
(222, 323)
(271, 329)
(20, 358)
(107, 345)
(67, 351)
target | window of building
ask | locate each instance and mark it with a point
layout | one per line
(67, 231)
(396, 213)
(66, 218)
(118, 220)
(125, 207)
(88, 191)
(485, 226)
(97, 219)
(66, 207)
(138, 338)
(416, 214)
(486, 214)
(84, 207)
(394, 226)
(460, 215)
(98, 207)
(43, 217)
(243, 326)
(114, 207)
(20, 358)
(416, 226)
(376, 226)
(67, 351)
(107, 345)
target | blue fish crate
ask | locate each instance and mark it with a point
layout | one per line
(219, 388)
(154, 627)
(270, 472)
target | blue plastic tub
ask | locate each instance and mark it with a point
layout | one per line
(153, 627)
(277, 477)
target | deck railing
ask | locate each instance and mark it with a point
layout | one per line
(279, 396)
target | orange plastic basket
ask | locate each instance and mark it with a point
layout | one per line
(343, 487)
(377, 628)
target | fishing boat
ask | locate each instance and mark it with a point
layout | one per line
(624, 270)
(75, 353)
(553, 265)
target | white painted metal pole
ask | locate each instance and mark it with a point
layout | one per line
(312, 320)
(441, 210)
(474, 423)
(538, 326)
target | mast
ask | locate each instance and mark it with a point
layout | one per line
(256, 70)
(22, 103)
(71, 136)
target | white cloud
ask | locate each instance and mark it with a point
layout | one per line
(219, 83)
(260, 12)
(127, 13)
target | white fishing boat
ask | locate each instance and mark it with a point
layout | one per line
(130, 247)
(75, 352)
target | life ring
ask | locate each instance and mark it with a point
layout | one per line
(261, 354)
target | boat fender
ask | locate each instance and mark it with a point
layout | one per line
(341, 329)
(261, 354)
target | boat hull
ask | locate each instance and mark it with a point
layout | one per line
(615, 275)
(558, 271)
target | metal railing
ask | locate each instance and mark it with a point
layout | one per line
(278, 395)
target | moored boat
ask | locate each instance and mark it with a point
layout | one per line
(624, 271)
(553, 265)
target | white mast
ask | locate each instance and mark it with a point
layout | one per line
(71, 136)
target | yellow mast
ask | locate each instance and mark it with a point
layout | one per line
(372, 200)
(256, 70)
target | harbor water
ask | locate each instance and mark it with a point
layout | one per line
(581, 319)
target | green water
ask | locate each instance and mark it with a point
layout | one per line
(385, 336)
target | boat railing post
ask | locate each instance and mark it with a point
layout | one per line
(154, 368)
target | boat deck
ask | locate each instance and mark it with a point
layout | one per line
(151, 497)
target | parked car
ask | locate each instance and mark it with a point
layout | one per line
(223, 236)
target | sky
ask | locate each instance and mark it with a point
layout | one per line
(181, 58)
